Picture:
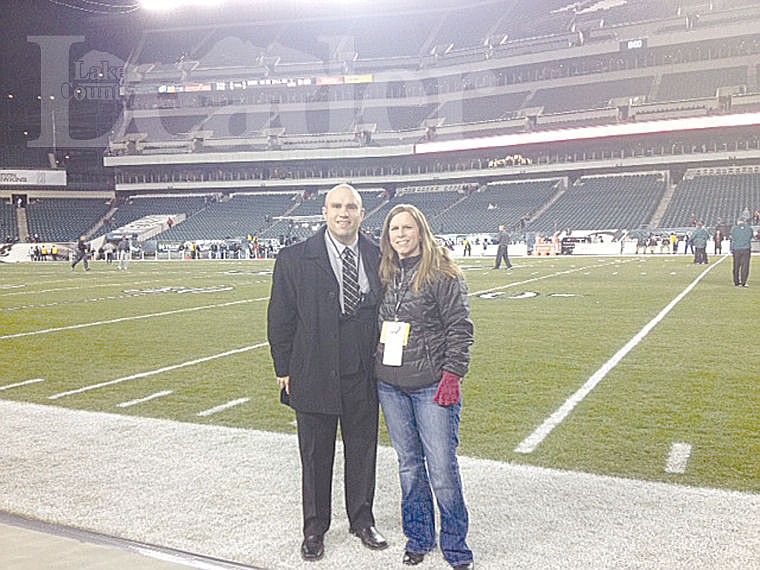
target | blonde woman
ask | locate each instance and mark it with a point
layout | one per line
(426, 332)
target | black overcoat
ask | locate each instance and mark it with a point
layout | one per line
(304, 319)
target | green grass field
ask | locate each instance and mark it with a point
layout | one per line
(177, 340)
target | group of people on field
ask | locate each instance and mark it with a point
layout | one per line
(83, 253)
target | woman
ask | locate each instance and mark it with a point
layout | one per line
(422, 356)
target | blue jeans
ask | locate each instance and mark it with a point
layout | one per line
(422, 430)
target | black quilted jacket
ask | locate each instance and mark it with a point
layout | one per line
(441, 329)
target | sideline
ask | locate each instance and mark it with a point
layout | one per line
(134, 318)
(529, 444)
(233, 494)
(157, 371)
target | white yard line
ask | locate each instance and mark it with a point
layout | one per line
(131, 403)
(133, 318)
(222, 407)
(24, 383)
(77, 287)
(549, 276)
(157, 371)
(678, 458)
(529, 444)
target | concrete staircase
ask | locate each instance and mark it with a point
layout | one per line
(22, 225)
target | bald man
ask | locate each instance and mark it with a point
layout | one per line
(322, 334)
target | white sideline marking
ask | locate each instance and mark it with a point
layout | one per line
(158, 371)
(678, 458)
(529, 444)
(549, 276)
(145, 399)
(222, 407)
(24, 383)
(199, 564)
(135, 318)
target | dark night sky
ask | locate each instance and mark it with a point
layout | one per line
(116, 35)
(20, 60)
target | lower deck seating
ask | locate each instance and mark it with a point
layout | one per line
(64, 219)
(713, 199)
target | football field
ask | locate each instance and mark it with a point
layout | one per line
(610, 416)
(638, 367)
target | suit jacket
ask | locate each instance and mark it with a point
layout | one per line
(304, 323)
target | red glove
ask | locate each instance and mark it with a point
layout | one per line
(448, 389)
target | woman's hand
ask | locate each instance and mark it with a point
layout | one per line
(448, 390)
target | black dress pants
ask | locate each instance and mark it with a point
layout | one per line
(501, 254)
(741, 266)
(316, 441)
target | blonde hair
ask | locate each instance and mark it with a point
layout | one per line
(434, 258)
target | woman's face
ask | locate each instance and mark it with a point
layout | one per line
(404, 235)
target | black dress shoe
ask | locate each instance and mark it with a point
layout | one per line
(371, 537)
(412, 559)
(313, 547)
(465, 566)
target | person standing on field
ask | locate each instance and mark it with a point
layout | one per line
(422, 356)
(502, 242)
(699, 238)
(741, 249)
(124, 250)
(322, 330)
(83, 253)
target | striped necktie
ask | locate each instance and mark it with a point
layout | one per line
(350, 282)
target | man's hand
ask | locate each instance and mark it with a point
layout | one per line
(284, 383)
(448, 390)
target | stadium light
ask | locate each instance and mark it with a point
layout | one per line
(593, 132)
(165, 5)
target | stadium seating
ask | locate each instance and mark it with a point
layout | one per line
(236, 218)
(498, 203)
(64, 219)
(603, 202)
(295, 228)
(433, 200)
(699, 83)
(590, 95)
(712, 198)
(138, 207)
(472, 109)
(8, 221)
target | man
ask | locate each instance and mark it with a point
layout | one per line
(502, 242)
(322, 329)
(108, 251)
(83, 253)
(124, 250)
(699, 238)
(688, 243)
(741, 243)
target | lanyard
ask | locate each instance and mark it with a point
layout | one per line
(400, 287)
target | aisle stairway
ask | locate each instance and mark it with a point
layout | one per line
(22, 227)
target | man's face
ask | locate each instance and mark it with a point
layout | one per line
(343, 213)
